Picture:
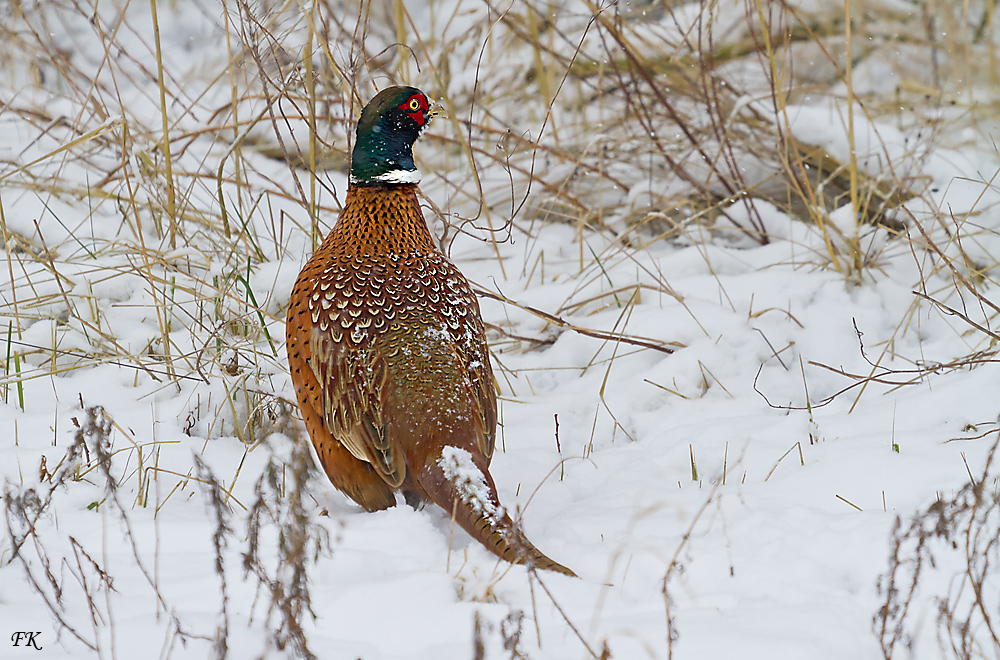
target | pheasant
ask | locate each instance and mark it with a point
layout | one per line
(387, 351)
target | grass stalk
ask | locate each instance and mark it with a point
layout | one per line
(171, 209)
(853, 241)
(310, 81)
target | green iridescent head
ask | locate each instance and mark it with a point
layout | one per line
(389, 125)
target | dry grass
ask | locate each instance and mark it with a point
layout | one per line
(624, 127)
(947, 555)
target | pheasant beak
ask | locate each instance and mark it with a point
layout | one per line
(437, 110)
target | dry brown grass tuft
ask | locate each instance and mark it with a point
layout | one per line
(948, 555)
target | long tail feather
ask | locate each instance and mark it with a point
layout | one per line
(463, 488)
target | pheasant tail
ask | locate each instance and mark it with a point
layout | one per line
(461, 486)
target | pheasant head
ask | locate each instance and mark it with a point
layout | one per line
(389, 125)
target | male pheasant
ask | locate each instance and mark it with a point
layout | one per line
(387, 351)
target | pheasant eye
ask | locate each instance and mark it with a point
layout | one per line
(414, 104)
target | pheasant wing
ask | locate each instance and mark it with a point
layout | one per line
(465, 322)
(350, 382)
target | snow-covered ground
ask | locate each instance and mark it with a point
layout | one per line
(735, 497)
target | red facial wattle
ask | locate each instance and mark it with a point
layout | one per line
(416, 107)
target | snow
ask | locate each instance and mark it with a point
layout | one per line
(733, 494)
(458, 468)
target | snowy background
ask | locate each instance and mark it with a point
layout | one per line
(737, 264)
